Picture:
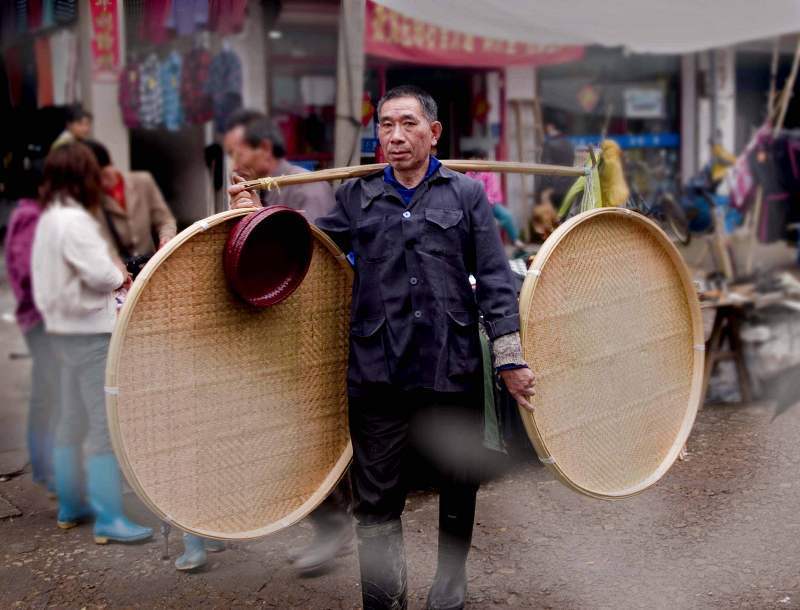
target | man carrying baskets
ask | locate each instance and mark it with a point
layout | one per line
(418, 231)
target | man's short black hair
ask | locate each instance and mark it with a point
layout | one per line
(100, 152)
(426, 102)
(263, 130)
(77, 113)
(555, 117)
(241, 117)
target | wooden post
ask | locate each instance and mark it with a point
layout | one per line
(350, 83)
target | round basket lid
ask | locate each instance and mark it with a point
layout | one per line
(611, 327)
(230, 421)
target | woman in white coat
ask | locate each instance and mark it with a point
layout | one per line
(74, 279)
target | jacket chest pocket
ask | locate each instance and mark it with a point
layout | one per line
(374, 238)
(442, 233)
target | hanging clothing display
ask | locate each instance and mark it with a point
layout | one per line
(44, 72)
(197, 104)
(187, 16)
(22, 15)
(65, 11)
(150, 101)
(12, 57)
(129, 95)
(35, 9)
(48, 13)
(154, 24)
(8, 19)
(29, 80)
(225, 86)
(170, 75)
(226, 16)
(64, 64)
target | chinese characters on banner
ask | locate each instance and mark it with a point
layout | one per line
(392, 35)
(105, 39)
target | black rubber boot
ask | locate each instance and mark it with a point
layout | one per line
(382, 559)
(456, 517)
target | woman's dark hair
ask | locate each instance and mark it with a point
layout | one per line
(100, 152)
(76, 113)
(71, 170)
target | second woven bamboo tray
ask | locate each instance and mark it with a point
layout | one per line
(229, 421)
(611, 327)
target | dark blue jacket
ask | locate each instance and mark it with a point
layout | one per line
(414, 318)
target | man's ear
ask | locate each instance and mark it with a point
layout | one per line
(436, 129)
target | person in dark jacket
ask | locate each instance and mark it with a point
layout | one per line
(557, 150)
(418, 231)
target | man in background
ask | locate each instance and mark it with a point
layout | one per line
(557, 150)
(133, 211)
(256, 147)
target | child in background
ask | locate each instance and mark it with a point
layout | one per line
(491, 184)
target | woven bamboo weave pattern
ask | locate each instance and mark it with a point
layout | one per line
(230, 419)
(610, 331)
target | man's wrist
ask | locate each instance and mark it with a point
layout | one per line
(510, 367)
(508, 352)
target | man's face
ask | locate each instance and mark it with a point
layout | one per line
(109, 176)
(248, 162)
(405, 133)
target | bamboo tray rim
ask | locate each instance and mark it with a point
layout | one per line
(698, 338)
(112, 390)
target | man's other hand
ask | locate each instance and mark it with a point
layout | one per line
(239, 197)
(520, 384)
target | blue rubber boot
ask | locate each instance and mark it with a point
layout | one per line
(214, 546)
(194, 554)
(69, 486)
(105, 496)
(39, 472)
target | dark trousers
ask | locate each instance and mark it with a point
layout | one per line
(391, 429)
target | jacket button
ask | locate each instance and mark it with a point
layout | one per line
(413, 281)
(406, 214)
(418, 314)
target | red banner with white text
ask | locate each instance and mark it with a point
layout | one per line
(105, 39)
(392, 35)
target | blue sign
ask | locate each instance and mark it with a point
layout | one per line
(641, 140)
(368, 146)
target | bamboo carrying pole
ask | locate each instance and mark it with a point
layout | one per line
(773, 77)
(344, 173)
(787, 91)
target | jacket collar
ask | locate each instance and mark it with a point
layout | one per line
(111, 204)
(373, 185)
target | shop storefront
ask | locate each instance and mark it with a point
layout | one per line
(39, 79)
(461, 71)
(631, 98)
(301, 51)
(184, 74)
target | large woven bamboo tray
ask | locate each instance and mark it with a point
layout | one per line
(229, 421)
(611, 327)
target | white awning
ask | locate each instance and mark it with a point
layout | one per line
(642, 26)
